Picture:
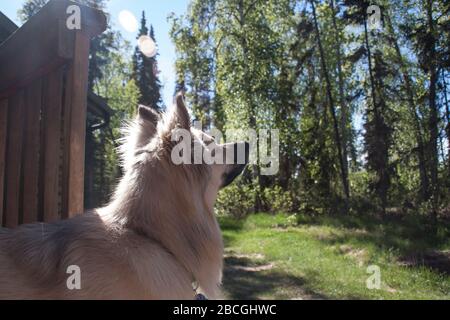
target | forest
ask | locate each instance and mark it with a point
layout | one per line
(359, 93)
(361, 104)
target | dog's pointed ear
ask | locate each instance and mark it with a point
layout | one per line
(137, 134)
(180, 115)
(148, 114)
(148, 120)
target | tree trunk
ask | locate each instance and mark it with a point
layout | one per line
(377, 116)
(447, 117)
(252, 116)
(337, 136)
(424, 183)
(433, 119)
(369, 58)
(344, 109)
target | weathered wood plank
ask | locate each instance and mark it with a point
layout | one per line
(51, 106)
(67, 105)
(3, 129)
(76, 102)
(13, 159)
(33, 102)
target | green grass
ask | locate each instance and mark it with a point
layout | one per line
(274, 257)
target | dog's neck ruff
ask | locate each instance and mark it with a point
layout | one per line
(194, 283)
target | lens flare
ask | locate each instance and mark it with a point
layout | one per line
(147, 46)
(128, 21)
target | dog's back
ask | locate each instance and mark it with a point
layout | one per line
(114, 264)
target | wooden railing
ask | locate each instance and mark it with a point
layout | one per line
(43, 90)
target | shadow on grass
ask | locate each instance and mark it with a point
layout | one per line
(409, 237)
(245, 278)
(230, 226)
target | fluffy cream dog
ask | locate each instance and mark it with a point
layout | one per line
(156, 236)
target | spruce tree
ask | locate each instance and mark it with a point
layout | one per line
(145, 71)
(155, 85)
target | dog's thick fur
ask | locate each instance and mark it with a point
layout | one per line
(157, 235)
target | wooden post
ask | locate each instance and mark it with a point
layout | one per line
(31, 159)
(13, 159)
(52, 119)
(76, 104)
(3, 130)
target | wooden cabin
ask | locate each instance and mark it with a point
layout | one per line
(43, 112)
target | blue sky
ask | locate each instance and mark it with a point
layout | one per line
(156, 13)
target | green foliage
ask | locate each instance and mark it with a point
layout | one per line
(257, 64)
(278, 200)
(30, 8)
(238, 200)
(235, 200)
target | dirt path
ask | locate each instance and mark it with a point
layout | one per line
(252, 277)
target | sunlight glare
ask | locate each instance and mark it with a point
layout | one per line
(147, 46)
(128, 21)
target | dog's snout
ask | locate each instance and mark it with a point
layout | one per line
(241, 159)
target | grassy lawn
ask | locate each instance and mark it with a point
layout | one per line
(274, 257)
